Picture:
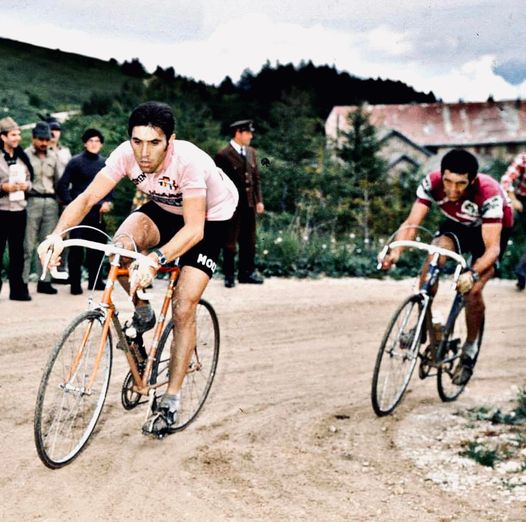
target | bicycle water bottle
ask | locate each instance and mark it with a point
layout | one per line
(135, 343)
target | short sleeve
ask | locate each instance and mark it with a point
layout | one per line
(424, 191)
(118, 163)
(193, 183)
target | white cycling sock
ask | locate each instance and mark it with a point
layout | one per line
(470, 349)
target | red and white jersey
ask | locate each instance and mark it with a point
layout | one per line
(483, 201)
(187, 171)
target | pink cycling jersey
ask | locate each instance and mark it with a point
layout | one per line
(187, 171)
(483, 201)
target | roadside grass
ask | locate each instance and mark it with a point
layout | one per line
(500, 437)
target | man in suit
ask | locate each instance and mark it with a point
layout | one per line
(238, 162)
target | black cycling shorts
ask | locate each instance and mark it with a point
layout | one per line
(203, 255)
(470, 238)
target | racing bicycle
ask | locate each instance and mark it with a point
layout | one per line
(76, 377)
(414, 334)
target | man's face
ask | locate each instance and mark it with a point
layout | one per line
(454, 184)
(55, 136)
(243, 137)
(149, 146)
(93, 145)
(11, 139)
(41, 144)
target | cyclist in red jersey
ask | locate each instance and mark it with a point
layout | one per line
(478, 220)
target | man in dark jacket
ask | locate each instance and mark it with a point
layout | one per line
(79, 173)
(238, 161)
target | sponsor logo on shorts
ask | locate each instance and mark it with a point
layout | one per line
(205, 261)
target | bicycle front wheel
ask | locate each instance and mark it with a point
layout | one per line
(72, 390)
(449, 353)
(201, 368)
(397, 356)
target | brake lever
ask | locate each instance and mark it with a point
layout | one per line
(46, 263)
(381, 257)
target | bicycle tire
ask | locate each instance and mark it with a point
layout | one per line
(449, 351)
(201, 369)
(66, 413)
(402, 350)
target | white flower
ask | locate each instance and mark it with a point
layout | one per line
(352, 235)
(278, 240)
(324, 246)
(265, 252)
(305, 238)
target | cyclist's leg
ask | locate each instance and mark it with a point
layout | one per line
(442, 240)
(190, 287)
(198, 266)
(138, 231)
(475, 306)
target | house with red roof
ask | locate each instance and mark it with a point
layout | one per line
(418, 134)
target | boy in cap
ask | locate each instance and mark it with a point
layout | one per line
(15, 180)
(238, 161)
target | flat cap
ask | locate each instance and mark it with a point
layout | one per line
(242, 125)
(41, 130)
(7, 124)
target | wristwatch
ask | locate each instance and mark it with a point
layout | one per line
(475, 275)
(161, 258)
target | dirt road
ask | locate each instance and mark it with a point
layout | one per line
(288, 432)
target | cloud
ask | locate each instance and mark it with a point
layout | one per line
(513, 71)
(429, 49)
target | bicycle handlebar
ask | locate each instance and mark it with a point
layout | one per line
(431, 249)
(108, 249)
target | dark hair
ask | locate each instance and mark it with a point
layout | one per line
(153, 113)
(92, 133)
(460, 161)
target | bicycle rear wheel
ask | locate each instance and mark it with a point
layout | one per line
(397, 356)
(449, 353)
(201, 369)
(69, 403)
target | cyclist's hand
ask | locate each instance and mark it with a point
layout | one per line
(465, 282)
(390, 259)
(52, 243)
(142, 273)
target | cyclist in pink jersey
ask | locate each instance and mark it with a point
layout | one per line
(191, 201)
(478, 221)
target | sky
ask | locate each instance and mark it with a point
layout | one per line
(458, 49)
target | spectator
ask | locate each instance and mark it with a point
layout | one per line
(238, 161)
(42, 205)
(79, 173)
(63, 153)
(514, 183)
(15, 179)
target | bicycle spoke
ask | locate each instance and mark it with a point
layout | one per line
(397, 357)
(67, 409)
